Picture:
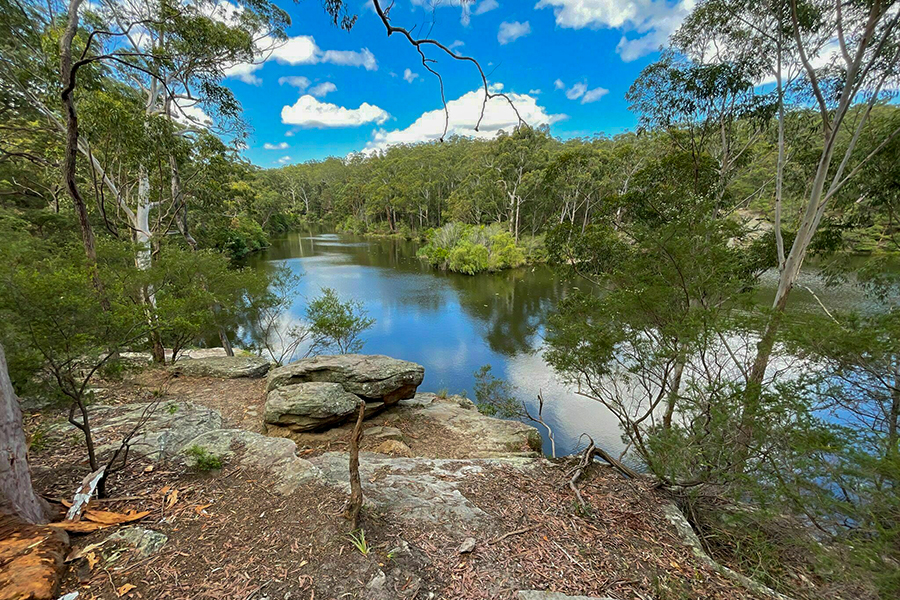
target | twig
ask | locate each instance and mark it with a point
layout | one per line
(587, 457)
(356, 495)
(512, 533)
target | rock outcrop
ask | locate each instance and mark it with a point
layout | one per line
(310, 406)
(374, 378)
(224, 367)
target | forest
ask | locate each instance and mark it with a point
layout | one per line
(128, 214)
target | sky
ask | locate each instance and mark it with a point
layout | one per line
(565, 63)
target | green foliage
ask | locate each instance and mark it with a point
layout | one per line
(471, 249)
(494, 396)
(203, 460)
(358, 539)
(336, 325)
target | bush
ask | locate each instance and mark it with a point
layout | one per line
(471, 249)
(203, 459)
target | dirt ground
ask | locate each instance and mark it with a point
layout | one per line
(230, 537)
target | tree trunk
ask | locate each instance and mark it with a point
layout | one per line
(16, 492)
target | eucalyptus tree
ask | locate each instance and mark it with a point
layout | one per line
(517, 159)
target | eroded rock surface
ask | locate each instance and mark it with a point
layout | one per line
(414, 488)
(310, 406)
(372, 377)
(224, 367)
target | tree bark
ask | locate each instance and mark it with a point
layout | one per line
(16, 492)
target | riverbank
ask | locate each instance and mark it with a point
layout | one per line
(444, 518)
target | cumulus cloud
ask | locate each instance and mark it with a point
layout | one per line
(510, 32)
(322, 89)
(466, 10)
(558, 84)
(576, 91)
(485, 6)
(409, 76)
(464, 113)
(650, 22)
(283, 160)
(536, 92)
(310, 113)
(298, 81)
(593, 95)
(299, 50)
(279, 146)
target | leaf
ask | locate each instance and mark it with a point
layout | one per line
(172, 498)
(148, 469)
(79, 526)
(201, 508)
(125, 589)
(91, 559)
(113, 518)
(77, 554)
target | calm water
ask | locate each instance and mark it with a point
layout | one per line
(453, 324)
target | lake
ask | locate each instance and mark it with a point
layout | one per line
(453, 324)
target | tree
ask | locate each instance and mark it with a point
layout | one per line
(335, 324)
(16, 492)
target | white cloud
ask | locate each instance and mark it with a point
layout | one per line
(593, 95)
(510, 32)
(536, 92)
(409, 76)
(322, 89)
(456, 44)
(576, 91)
(288, 134)
(298, 82)
(652, 20)
(485, 6)
(299, 50)
(192, 115)
(558, 84)
(283, 160)
(280, 146)
(464, 113)
(311, 113)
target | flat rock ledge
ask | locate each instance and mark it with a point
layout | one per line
(310, 406)
(372, 377)
(223, 367)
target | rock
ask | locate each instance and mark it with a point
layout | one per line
(467, 546)
(488, 437)
(31, 559)
(415, 488)
(394, 448)
(310, 406)
(277, 456)
(145, 541)
(540, 595)
(383, 433)
(376, 585)
(224, 367)
(371, 377)
(168, 429)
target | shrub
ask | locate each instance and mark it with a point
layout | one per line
(203, 459)
(471, 249)
(468, 258)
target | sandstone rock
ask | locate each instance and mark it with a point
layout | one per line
(487, 437)
(31, 559)
(277, 456)
(394, 448)
(540, 595)
(383, 433)
(224, 367)
(145, 541)
(169, 428)
(415, 488)
(310, 406)
(467, 546)
(371, 377)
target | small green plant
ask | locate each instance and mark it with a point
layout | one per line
(171, 408)
(443, 393)
(358, 539)
(495, 396)
(204, 460)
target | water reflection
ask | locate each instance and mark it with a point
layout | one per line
(453, 324)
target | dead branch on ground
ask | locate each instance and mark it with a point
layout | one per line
(351, 511)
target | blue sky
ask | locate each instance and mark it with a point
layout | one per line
(567, 63)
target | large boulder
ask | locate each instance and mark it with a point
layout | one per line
(224, 367)
(310, 406)
(373, 377)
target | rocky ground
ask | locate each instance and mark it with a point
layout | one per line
(458, 505)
